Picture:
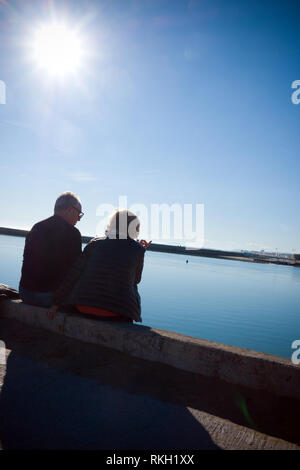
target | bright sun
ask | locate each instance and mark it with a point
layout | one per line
(57, 49)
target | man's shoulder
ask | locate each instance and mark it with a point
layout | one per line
(70, 231)
(75, 231)
(43, 224)
(55, 223)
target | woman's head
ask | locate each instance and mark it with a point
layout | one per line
(123, 224)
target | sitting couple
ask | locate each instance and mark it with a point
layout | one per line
(101, 281)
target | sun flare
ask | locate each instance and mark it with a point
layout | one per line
(57, 49)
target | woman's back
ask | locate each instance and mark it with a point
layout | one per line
(109, 276)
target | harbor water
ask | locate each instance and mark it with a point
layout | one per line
(254, 306)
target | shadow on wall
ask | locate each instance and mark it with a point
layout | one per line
(60, 392)
(42, 408)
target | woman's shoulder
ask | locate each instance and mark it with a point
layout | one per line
(93, 243)
(97, 239)
(113, 242)
(137, 246)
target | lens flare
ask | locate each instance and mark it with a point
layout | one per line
(57, 49)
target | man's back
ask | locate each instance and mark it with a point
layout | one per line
(51, 247)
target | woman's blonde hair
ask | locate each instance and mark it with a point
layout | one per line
(123, 224)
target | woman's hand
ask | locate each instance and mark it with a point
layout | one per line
(51, 312)
(145, 244)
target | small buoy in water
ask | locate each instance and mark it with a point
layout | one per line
(187, 261)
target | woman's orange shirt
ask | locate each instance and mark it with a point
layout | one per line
(100, 312)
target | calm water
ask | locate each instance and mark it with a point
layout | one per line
(254, 306)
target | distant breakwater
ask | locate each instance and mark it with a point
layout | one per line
(182, 250)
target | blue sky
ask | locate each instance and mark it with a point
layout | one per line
(184, 102)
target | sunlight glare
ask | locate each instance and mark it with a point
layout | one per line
(57, 49)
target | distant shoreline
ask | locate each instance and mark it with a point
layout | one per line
(181, 250)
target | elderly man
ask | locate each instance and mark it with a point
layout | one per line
(51, 247)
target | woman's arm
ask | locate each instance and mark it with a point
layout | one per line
(139, 270)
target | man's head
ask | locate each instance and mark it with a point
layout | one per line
(68, 206)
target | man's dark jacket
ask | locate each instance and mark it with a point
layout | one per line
(106, 276)
(51, 248)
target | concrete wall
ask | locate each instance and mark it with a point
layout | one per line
(235, 365)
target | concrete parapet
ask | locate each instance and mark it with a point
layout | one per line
(234, 365)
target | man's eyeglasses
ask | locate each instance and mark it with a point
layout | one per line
(80, 214)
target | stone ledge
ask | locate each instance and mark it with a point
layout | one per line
(234, 365)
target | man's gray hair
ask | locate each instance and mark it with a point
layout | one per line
(66, 200)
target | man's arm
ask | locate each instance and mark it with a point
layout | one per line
(35, 253)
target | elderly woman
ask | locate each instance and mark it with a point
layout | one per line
(103, 281)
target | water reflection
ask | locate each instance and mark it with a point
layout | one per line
(255, 306)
